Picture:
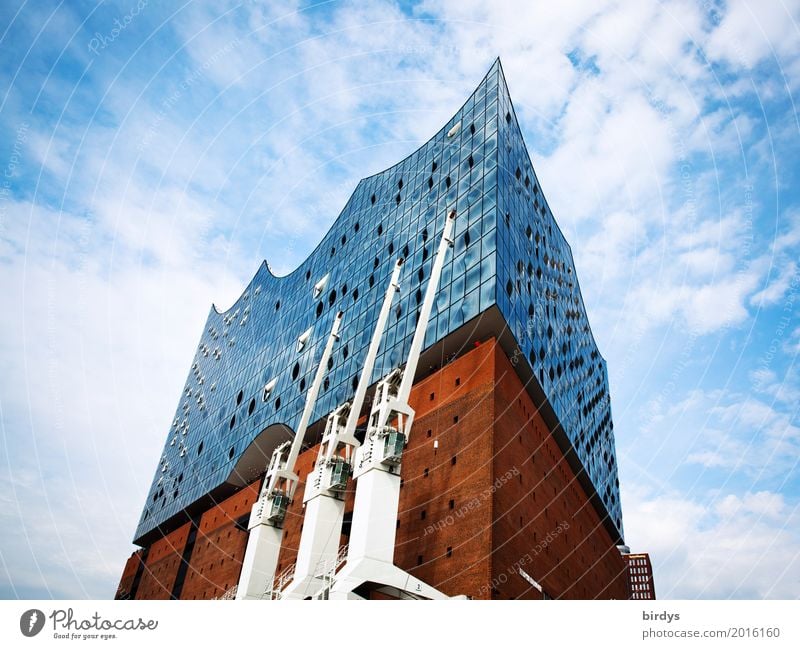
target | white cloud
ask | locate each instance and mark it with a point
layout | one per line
(95, 350)
(721, 547)
(751, 31)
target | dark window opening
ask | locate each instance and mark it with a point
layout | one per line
(452, 504)
(453, 460)
(430, 182)
(277, 403)
(471, 162)
(319, 309)
(239, 397)
(251, 408)
(472, 129)
(449, 551)
(295, 371)
(434, 166)
(433, 396)
(508, 117)
(356, 227)
(230, 453)
(345, 352)
(302, 384)
(447, 182)
(458, 380)
(422, 515)
(380, 229)
(277, 305)
(200, 448)
(233, 422)
(332, 298)
(425, 472)
(344, 239)
(372, 199)
(455, 419)
(371, 281)
(355, 294)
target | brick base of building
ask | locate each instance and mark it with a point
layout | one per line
(489, 506)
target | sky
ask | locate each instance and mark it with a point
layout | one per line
(153, 154)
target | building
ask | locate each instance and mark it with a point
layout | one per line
(509, 480)
(640, 576)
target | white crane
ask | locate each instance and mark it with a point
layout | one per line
(370, 554)
(266, 518)
(318, 552)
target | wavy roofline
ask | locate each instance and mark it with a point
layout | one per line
(265, 264)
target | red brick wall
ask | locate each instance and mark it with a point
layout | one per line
(544, 523)
(498, 496)
(128, 575)
(450, 547)
(216, 558)
(161, 567)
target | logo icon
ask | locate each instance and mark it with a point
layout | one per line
(31, 622)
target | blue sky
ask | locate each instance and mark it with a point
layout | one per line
(148, 169)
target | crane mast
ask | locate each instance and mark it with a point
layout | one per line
(370, 554)
(318, 551)
(267, 515)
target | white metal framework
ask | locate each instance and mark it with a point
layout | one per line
(370, 556)
(368, 561)
(266, 517)
(324, 500)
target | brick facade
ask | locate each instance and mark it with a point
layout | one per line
(487, 499)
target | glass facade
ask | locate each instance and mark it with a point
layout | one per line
(255, 361)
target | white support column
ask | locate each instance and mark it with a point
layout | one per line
(370, 556)
(318, 551)
(266, 517)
